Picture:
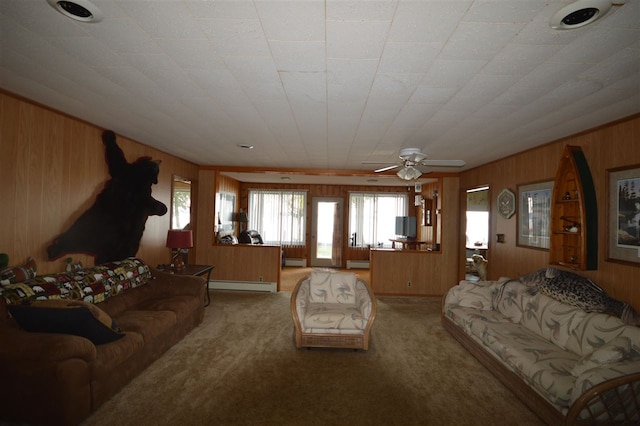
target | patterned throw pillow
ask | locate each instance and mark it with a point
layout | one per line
(616, 350)
(18, 274)
(67, 317)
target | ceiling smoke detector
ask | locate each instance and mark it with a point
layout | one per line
(79, 10)
(579, 14)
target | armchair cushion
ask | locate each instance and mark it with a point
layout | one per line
(335, 316)
(332, 287)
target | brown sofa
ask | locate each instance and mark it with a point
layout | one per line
(54, 378)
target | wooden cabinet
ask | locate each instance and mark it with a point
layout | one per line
(574, 214)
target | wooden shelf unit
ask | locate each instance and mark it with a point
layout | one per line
(574, 214)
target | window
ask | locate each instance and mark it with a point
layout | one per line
(180, 203)
(372, 218)
(279, 215)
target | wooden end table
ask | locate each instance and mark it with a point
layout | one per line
(196, 271)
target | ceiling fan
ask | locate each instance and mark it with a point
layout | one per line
(410, 158)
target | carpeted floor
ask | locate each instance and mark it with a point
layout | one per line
(240, 367)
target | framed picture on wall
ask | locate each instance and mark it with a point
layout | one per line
(534, 215)
(623, 215)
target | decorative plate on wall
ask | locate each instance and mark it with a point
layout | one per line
(506, 203)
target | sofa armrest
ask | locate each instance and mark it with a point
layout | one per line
(611, 401)
(471, 294)
(603, 373)
(177, 285)
(19, 345)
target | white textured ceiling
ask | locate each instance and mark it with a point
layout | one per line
(326, 83)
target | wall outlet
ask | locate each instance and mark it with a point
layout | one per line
(408, 283)
(260, 279)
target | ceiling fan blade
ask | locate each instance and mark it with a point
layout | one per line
(384, 169)
(443, 163)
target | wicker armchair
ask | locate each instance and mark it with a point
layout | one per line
(332, 309)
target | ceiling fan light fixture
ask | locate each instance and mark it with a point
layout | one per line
(412, 154)
(579, 14)
(78, 10)
(409, 173)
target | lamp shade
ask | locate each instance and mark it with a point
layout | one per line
(409, 173)
(179, 239)
(242, 217)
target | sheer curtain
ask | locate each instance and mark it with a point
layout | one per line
(372, 217)
(279, 215)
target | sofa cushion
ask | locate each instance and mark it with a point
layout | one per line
(18, 273)
(598, 329)
(68, 317)
(508, 299)
(149, 324)
(551, 319)
(616, 350)
(539, 362)
(332, 287)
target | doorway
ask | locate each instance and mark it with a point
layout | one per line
(477, 229)
(326, 232)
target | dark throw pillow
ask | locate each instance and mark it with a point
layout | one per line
(68, 317)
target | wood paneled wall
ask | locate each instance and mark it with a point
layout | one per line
(53, 167)
(243, 262)
(606, 147)
(430, 273)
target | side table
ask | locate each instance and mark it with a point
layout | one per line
(197, 271)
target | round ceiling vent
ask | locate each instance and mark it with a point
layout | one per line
(579, 14)
(80, 10)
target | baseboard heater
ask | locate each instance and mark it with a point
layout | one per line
(357, 264)
(295, 262)
(244, 285)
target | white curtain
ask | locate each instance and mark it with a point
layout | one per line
(278, 215)
(372, 217)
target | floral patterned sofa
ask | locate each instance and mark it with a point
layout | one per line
(557, 358)
(70, 341)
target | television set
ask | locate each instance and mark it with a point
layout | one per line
(406, 226)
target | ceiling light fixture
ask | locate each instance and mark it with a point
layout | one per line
(244, 146)
(79, 10)
(579, 14)
(409, 173)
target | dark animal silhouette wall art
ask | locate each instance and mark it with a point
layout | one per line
(111, 229)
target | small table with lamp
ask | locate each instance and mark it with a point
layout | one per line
(196, 271)
(179, 241)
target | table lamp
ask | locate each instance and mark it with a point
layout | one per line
(242, 219)
(179, 241)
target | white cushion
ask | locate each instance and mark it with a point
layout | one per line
(332, 287)
(471, 294)
(616, 350)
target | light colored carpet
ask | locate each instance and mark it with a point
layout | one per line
(240, 367)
